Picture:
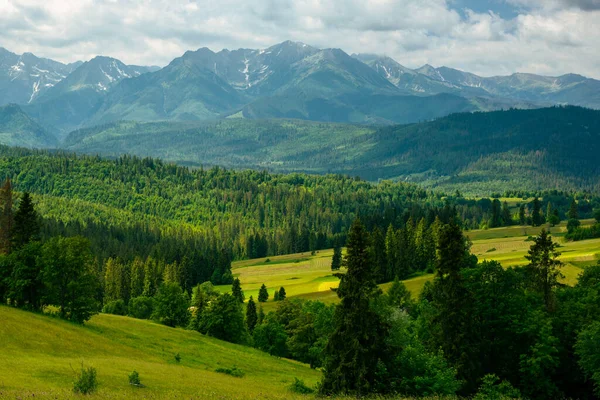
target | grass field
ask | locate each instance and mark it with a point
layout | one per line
(309, 277)
(38, 355)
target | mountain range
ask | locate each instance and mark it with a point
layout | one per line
(288, 80)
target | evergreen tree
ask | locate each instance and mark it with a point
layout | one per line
(276, 296)
(282, 294)
(136, 287)
(573, 212)
(543, 266)
(236, 290)
(26, 226)
(6, 217)
(536, 217)
(263, 294)
(451, 299)
(506, 216)
(357, 343)
(522, 216)
(336, 261)
(251, 315)
(398, 295)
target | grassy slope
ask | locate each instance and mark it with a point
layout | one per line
(37, 354)
(309, 277)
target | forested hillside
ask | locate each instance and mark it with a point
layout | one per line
(477, 153)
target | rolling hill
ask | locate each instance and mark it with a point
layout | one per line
(38, 355)
(480, 152)
(18, 129)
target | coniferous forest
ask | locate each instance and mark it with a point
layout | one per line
(139, 237)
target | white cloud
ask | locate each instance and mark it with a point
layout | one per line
(549, 36)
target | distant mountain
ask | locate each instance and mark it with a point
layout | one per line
(287, 80)
(25, 77)
(18, 129)
(529, 88)
(480, 152)
(69, 103)
(183, 90)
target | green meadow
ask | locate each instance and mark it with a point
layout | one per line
(40, 354)
(309, 276)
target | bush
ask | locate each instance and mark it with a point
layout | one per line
(134, 378)
(299, 387)
(238, 373)
(177, 358)
(116, 307)
(86, 382)
(141, 307)
(493, 389)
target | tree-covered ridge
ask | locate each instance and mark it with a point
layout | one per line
(478, 153)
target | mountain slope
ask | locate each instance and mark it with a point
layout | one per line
(18, 129)
(69, 103)
(24, 77)
(480, 152)
(40, 352)
(183, 90)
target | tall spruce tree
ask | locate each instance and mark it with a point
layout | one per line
(236, 290)
(251, 315)
(536, 214)
(336, 261)
(573, 212)
(544, 266)
(358, 341)
(451, 299)
(26, 226)
(263, 294)
(282, 294)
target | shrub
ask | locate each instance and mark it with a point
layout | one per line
(491, 250)
(177, 358)
(299, 387)
(493, 389)
(141, 307)
(238, 373)
(116, 307)
(86, 382)
(134, 378)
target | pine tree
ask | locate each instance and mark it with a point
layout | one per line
(26, 226)
(263, 294)
(543, 266)
(506, 216)
(276, 296)
(6, 217)
(282, 294)
(358, 340)
(136, 287)
(522, 218)
(451, 298)
(536, 217)
(236, 290)
(251, 315)
(573, 212)
(398, 295)
(261, 315)
(336, 261)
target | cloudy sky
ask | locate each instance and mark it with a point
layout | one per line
(488, 37)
